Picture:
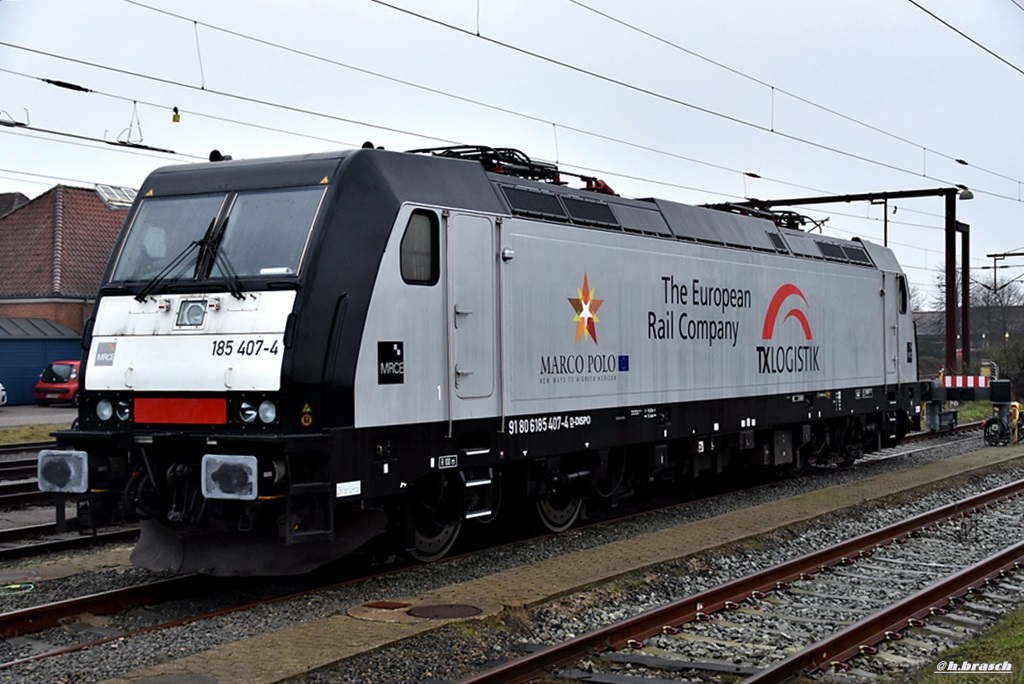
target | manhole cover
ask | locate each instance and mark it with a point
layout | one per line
(386, 605)
(444, 611)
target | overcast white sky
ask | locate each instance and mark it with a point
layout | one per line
(667, 98)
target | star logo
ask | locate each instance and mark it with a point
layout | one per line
(586, 308)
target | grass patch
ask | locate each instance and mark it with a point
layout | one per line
(1004, 643)
(29, 433)
(973, 411)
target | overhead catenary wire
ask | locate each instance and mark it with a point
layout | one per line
(604, 172)
(553, 124)
(93, 143)
(367, 124)
(777, 89)
(966, 37)
(191, 112)
(673, 100)
(54, 178)
(537, 55)
(800, 139)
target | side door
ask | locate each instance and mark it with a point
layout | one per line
(894, 298)
(906, 335)
(472, 263)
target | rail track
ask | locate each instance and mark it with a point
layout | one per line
(108, 602)
(25, 447)
(18, 485)
(45, 543)
(745, 610)
(19, 489)
(186, 587)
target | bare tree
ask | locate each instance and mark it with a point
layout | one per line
(996, 315)
(939, 295)
(918, 300)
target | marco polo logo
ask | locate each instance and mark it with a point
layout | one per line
(593, 367)
(105, 354)
(798, 358)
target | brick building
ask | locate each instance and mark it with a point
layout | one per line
(54, 248)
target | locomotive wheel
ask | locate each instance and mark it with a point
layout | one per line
(437, 519)
(996, 432)
(433, 541)
(558, 512)
(798, 466)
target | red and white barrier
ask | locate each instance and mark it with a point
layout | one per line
(965, 381)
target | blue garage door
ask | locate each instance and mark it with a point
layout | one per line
(21, 362)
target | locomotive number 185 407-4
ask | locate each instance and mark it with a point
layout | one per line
(242, 347)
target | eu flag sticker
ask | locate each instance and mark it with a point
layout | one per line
(623, 363)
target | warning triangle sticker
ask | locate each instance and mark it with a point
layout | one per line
(306, 408)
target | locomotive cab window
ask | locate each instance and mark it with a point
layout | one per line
(261, 233)
(902, 284)
(420, 249)
(163, 230)
(266, 232)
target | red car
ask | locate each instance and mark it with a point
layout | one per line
(58, 382)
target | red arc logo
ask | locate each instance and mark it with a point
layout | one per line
(772, 316)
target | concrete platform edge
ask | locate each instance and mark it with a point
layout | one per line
(280, 656)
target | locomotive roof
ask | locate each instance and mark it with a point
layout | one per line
(463, 184)
(244, 174)
(672, 220)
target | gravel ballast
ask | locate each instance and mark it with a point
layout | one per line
(455, 650)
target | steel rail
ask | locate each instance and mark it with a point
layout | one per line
(38, 618)
(32, 497)
(15, 487)
(143, 630)
(80, 541)
(654, 621)
(19, 469)
(928, 434)
(26, 447)
(836, 649)
(15, 534)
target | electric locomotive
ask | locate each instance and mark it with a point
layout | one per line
(292, 357)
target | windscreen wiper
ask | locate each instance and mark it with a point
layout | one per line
(231, 279)
(141, 295)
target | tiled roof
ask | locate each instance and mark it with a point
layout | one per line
(9, 201)
(58, 244)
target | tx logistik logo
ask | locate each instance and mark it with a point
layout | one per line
(586, 308)
(774, 359)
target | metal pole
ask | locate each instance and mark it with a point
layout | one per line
(950, 281)
(885, 222)
(951, 226)
(965, 292)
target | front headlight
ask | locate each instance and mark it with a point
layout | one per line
(104, 409)
(124, 410)
(247, 412)
(268, 412)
